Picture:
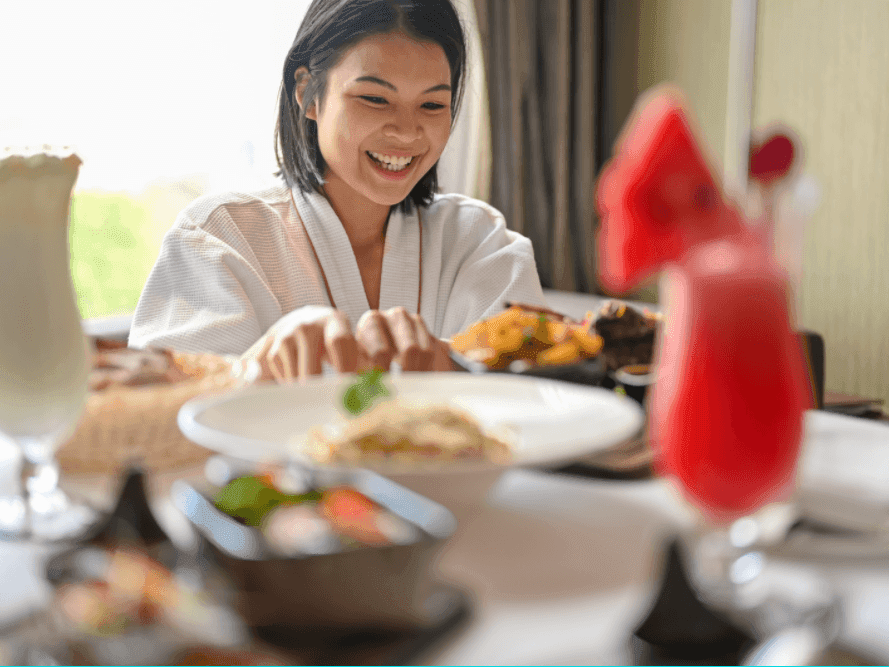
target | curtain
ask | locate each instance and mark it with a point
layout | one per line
(465, 165)
(543, 60)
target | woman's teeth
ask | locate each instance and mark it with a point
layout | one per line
(391, 162)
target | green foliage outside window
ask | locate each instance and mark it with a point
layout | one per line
(115, 237)
(112, 251)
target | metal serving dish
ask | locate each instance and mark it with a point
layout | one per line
(373, 587)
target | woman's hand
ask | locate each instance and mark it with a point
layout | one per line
(296, 346)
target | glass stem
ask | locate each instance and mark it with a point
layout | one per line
(729, 564)
(40, 478)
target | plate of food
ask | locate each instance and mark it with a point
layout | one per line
(532, 341)
(415, 427)
(538, 342)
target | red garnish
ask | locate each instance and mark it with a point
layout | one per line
(352, 514)
(347, 503)
(772, 160)
(657, 197)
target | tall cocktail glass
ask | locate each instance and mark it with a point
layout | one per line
(43, 350)
(726, 413)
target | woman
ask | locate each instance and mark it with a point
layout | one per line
(353, 260)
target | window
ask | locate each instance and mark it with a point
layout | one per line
(162, 101)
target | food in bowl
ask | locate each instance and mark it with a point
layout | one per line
(313, 521)
(399, 432)
(124, 594)
(132, 590)
(532, 337)
(341, 583)
(111, 601)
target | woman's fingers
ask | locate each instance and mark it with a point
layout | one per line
(275, 355)
(261, 358)
(436, 353)
(404, 336)
(296, 354)
(283, 358)
(395, 334)
(424, 338)
(340, 344)
(412, 339)
(309, 339)
(296, 348)
(441, 356)
(375, 338)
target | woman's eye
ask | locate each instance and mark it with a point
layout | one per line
(373, 99)
(433, 106)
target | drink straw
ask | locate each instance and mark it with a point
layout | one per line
(739, 99)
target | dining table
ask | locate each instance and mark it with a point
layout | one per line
(561, 568)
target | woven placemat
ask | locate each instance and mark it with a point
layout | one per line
(123, 426)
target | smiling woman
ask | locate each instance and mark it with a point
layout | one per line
(354, 259)
(387, 103)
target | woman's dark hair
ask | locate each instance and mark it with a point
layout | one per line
(328, 30)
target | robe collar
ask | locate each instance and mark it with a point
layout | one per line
(400, 281)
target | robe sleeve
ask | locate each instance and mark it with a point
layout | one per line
(203, 295)
(500, 268)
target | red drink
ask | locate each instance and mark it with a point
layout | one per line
(726, 410)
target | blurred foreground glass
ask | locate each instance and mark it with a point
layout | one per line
(726, 413)
(43, 350)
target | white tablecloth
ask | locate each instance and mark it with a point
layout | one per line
(561, 569)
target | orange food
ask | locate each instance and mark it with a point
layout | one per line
(539, 338)
(557, 355)
(589, 344)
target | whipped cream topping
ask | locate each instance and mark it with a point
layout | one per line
(37, 160)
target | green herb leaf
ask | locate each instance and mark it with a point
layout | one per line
(353, 400)
(360, 395)
(250, 499)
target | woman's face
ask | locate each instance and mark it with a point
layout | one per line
(385, 117)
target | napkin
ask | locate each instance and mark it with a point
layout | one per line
(843, 477)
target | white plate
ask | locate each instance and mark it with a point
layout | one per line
(556, 422)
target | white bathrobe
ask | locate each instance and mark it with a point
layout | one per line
(233, 264)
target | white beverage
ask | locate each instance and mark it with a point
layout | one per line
(43, 351)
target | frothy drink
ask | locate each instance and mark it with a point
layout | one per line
(43, 358)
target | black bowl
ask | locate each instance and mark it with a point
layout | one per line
(635, 380)
(373, 587)
(590, 372)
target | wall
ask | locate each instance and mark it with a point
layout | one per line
(823, 68)
(681, 41)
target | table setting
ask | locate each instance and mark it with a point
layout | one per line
(597, 481)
